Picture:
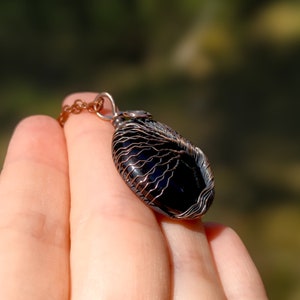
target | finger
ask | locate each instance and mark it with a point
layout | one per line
(193, 268)
(34, 213)
(117, 248)
(237, 271)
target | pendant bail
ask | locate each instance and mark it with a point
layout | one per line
(114, 110)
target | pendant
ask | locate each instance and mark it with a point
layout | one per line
(162, 168)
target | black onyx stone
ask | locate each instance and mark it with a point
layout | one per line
(161, 167)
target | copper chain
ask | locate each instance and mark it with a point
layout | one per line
(78, 106)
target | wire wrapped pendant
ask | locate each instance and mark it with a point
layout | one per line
(161, 167)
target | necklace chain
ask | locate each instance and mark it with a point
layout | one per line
(78, 106)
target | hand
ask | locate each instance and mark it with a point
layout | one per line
(71, 229)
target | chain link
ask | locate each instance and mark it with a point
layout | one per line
(78, 106)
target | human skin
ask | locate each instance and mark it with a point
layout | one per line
(70, 228)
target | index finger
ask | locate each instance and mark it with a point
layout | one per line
(117, 247)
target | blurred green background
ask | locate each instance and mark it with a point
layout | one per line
(225, 74)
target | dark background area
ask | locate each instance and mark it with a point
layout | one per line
(225, 74)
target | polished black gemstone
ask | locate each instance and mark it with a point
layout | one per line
(165, 170)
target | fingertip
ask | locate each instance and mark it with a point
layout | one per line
(218, 233)
(238, 273)
(38, 138)
(37, 121)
